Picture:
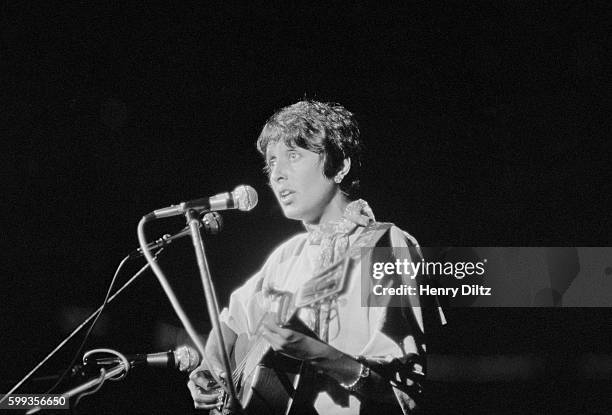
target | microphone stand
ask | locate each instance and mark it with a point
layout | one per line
(151, 262)
(178, 309)
(160, 243)
(193, 221)
(104, 376)
(75, 331)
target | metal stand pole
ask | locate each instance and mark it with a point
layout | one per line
(193, 221)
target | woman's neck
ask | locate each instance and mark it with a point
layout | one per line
(333, 211)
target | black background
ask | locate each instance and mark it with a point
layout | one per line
(486, 124)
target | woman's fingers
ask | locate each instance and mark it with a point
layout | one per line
(201, 379)
(205, 392)
(201, 398)
(294, 344)
(276, 341)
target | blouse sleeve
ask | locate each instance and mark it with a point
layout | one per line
(396, 350)
(248, 303)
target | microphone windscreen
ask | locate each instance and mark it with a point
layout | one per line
(186, 358)
(245, 197)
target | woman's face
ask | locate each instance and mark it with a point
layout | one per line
(298, 182)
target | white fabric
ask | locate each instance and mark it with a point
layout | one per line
(356, 330)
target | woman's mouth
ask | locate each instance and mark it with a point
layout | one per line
(286, 195)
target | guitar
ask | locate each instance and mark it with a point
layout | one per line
(268, 382)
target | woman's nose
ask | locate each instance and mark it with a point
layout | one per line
(279, 171)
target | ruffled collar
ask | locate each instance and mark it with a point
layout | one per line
(356, 213)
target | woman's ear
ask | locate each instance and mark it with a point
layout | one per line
(346, 167)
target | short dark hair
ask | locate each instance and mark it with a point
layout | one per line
(327, 128)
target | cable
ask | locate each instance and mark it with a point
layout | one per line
(104, 303)
(91, 392)
(90, 329)
(120, 356)
(77, 329)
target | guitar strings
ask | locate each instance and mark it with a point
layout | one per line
(262, 347)
(255, 348)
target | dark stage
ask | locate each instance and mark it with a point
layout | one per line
(485, 124)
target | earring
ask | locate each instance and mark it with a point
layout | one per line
(338, 179)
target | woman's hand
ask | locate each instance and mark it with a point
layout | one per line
(205, 392)
(325, 358)
(295, 344)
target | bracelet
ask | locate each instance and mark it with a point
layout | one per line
(364, 372)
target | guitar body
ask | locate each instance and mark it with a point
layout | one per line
(275, 384)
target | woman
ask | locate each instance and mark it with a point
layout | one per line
(370, 354)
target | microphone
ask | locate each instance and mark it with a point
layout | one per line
(242, 198)
(185, 359)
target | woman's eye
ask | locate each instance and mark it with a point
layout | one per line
(268, 167)
(293, 155)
